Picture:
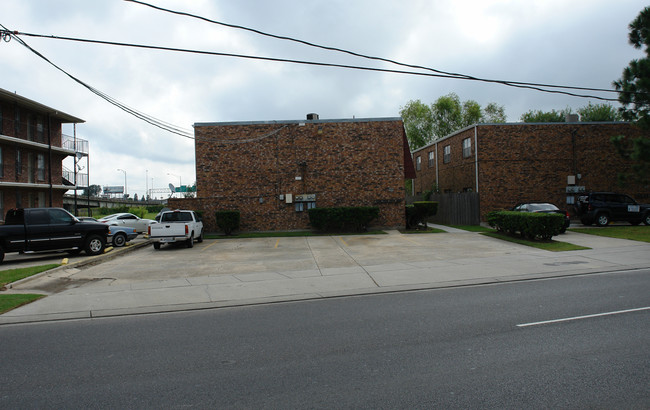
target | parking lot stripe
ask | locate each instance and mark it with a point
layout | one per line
(344, 243)
(277, 243)
(212, 244)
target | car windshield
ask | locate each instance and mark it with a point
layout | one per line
(542, 207)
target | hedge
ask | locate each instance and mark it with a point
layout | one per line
(227, 220)
(418, 213)
(531, 225)
(343, 219)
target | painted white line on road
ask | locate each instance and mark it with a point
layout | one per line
(567, 319)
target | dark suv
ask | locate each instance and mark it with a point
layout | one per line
(603, 207)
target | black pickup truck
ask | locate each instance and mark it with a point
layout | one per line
(45, 229)
(603, 207)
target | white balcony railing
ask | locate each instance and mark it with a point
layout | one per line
(78, 145)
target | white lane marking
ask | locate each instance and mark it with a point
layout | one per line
(566, 319)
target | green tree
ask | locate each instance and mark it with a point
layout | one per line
(424, 123)
(418, 123)
(599, 112)
(494, 113)
(634, 96)
(545, 116)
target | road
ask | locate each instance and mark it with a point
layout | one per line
(449, 348)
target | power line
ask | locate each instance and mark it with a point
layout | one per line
(7, 35)
(322, 64)
(353, 53)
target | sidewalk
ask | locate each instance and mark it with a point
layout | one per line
(236, 272)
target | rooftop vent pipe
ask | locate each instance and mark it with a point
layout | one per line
(312, 116)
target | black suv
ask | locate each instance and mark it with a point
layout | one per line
(603, 207)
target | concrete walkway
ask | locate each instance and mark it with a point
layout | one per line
(236, 272)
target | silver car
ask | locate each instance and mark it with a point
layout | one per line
(128, 220)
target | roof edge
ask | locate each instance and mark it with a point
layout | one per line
(319, 121)
(66, 118)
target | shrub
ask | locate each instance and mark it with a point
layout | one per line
(140, 211)
(343, 219)
(227, 220)
(418, 213)
(531, 225)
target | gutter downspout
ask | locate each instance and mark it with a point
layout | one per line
(476, 154)
(436, 155)
(49, 155)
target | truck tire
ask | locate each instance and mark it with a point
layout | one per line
(95, 245)
(646, 219)
(190, 240)
(156, 245)
(602, 219)
(2, 254)
(119, 239)
(200, 238)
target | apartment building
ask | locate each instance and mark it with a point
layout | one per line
(32, 150)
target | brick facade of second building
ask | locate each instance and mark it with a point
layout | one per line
(511, 163)
(273, 172)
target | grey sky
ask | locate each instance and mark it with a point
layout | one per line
(581, 43)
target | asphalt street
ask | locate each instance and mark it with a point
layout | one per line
(451, 348)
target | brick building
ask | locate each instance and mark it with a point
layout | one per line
(32, 150)
(510, 163)
(273, 172)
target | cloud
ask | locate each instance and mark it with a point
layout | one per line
(583, 42)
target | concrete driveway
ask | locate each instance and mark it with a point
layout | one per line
(228, 272)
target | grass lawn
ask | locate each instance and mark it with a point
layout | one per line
(12, 275)
(9, 302)
(634, 233)
(553, 246)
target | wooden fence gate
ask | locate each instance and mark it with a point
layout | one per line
(454, 209)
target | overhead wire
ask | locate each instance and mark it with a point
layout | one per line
(142, 116)
(316, 63)
(376, 58)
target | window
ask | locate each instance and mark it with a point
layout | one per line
(431, 159)
(2, 164)
(40, 129)
(1, 122)
(446, 154)
(40, 167)
(31, 127)
(59, 216)
(16, 122)
(418, 163)
(19, 163)
(467, 147)
(2, 204)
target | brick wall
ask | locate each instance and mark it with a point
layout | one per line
(531, 162)
(249, 166)
(32, 126)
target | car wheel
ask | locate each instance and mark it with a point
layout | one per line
(602, 220)
(119, 239)
(646, 219)
(156, 245)
(190, 241)
(200, 238)
(95, 245)
(2, 254)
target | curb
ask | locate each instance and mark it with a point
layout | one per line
(109, 254)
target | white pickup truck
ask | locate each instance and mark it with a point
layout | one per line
(177, 226)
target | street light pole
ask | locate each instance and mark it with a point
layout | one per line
(126, 192)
